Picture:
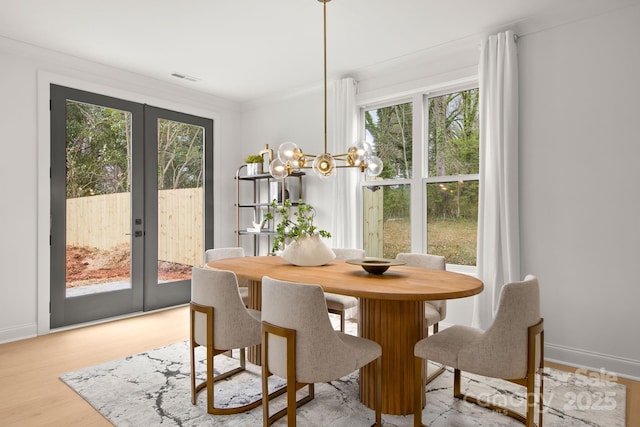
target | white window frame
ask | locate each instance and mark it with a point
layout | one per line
(419, 179)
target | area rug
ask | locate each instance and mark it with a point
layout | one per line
(153, 389)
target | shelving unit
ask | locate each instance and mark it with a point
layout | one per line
(255, 199)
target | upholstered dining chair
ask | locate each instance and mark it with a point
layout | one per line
(339, 304)
(299, 344)
(231, 252)
(220, 322)
(434, 311)
(510, 349)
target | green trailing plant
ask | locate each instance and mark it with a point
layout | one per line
(253, 158)
(287, 228)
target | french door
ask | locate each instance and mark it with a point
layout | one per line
(131, 205)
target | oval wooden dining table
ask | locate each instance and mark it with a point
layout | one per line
(391, 311)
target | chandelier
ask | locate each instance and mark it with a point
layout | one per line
(291, 158)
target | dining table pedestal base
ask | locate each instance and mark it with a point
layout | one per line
(397, 326)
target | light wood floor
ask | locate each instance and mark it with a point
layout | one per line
(32, 395)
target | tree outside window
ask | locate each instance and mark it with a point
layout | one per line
(450, 179)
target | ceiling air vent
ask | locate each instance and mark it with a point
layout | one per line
(185, 76)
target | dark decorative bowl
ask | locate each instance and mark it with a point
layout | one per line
(374, 265)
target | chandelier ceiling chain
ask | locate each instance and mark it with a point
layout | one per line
(291, 158)
(324, 32)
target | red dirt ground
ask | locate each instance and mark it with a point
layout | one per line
(88, 266)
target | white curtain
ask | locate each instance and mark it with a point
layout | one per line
(498, 224)
(342, 133)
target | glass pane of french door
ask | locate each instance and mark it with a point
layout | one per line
(180, 199)
(179, 208)
(98, 199)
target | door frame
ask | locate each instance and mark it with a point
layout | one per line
(65, 311)
(120, 89)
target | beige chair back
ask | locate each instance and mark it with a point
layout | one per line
(321, 355)
(348, 253)
(223, 253)
(234, 326)
(434, 262)
(502, 351)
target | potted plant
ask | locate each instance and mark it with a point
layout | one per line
(301, 239)
(254, 164)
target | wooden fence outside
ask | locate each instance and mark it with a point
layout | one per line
(373, 209)
(104, 222)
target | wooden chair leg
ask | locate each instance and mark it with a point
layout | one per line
(292, 385)
(243, 358)
(211, 379)
(192, 348)
(342, 317)
(418, 391)
(541, 373)
(441, 369)
(531, 403)
(210, 371)
(193, 372)
(291, 402)
(265, 378)
(379, 392)
(541, 401)
(433, 376)
(456, 384)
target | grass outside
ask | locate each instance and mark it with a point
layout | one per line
(455, 239)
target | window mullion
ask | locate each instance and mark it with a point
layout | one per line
(450, 178)
(418, 202)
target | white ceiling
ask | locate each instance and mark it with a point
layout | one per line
(247, 49)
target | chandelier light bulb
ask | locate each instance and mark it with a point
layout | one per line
(374, 166)
(277, 169)
(287, 152)
(324, 164)
(362, 146)
(368, 148)
(353, 158)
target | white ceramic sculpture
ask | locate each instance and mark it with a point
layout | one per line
(308, 251)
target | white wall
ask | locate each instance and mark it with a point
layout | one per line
(580, 145)
(297, 118)
(25, 73)
(579, 108)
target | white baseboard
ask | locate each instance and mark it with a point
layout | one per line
(614, 365)
(20, 332)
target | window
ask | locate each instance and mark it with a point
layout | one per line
(387, 197)
(436, 178)
(389, 131)
(452, 177)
